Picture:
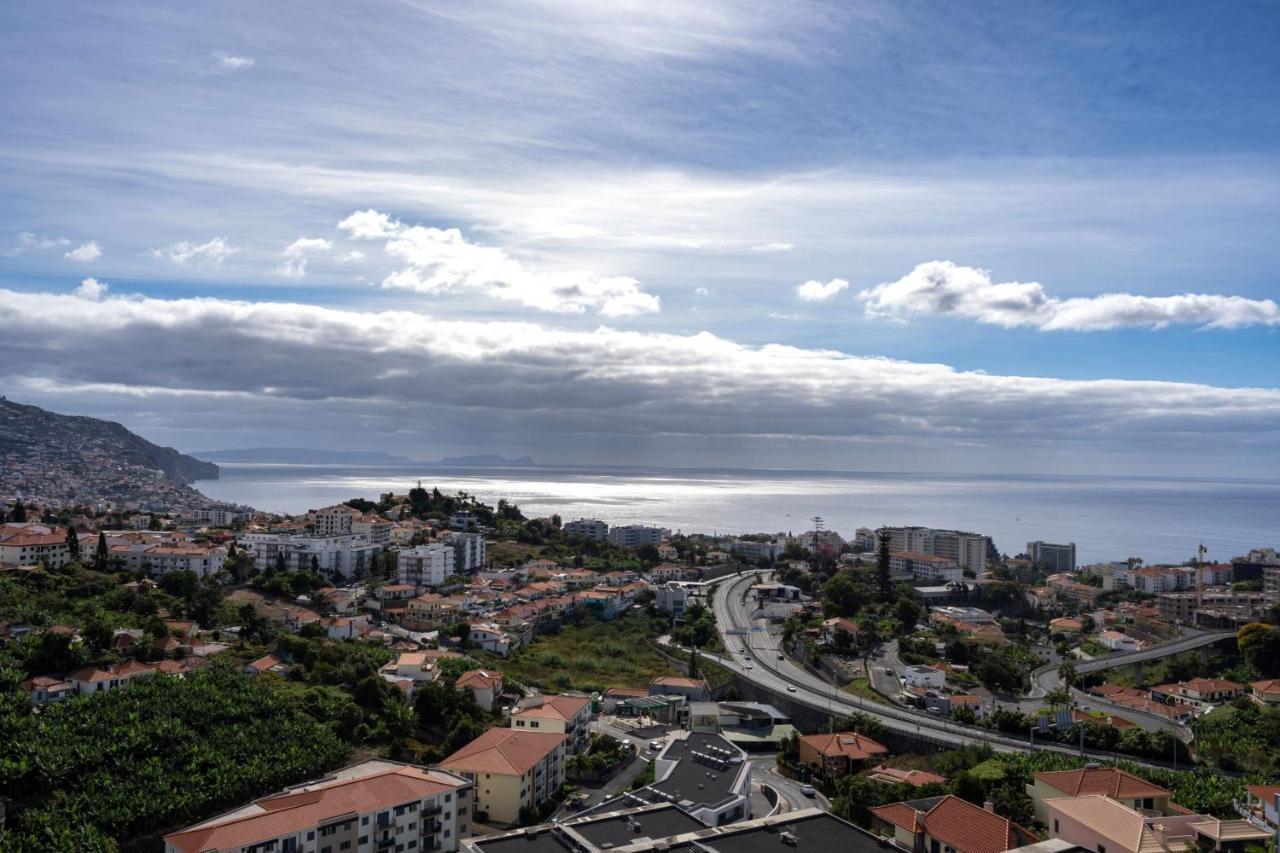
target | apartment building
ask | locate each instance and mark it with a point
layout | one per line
(336, 520)
(967, 550)
(924, 568)
(468, 552)
(1217, 606)
(587, 528)
(1051, 557)
(566, 715)
(425, 565)
(219, 516)
(25, 544)
(344, 555)
(1271, 585)
(1098, 822)
(511, 770)
(376, 805)
(201, 559)
(636, 535)
(1068, 588)
(752, 550)
(671, 598)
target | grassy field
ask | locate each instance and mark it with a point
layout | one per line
(590, 658)
(862, 687)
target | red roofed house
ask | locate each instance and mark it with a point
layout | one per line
(839, 754)
(693, 689)
(512, 770)
(484, 684)
(568, 715)
(1131, 790)
(269, 663)
(1266, 692)
(44, 689)
(374, 805)
(935, 824)
(898, 776)
(1198, 692)
(93, 680)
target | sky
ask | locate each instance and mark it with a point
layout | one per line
(987, 237)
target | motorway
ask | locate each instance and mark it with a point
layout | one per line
(765, 666)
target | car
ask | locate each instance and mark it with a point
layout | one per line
(781, 656)
(791, 688)
(655, 745)
(749, 666)
(808, 791)
(626, 743)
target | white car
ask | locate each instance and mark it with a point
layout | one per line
(749, 666)
(808, 791)
(791, 688)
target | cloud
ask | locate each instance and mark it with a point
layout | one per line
(817, 291)
(773, 247)
(91, 289)
(702, 291)
(352, 257)
(84, 253)
(294, 264)
(942, 287)
(231, 62)
(441, 260)
(605, 388)
(213, 252)
(28, 240)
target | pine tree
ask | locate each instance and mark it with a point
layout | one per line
(100, 557)
(883, 582)
(19, 513)
(73, 544)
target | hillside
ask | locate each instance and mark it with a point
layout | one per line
(64, 459)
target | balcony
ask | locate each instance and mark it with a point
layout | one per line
(432, 810)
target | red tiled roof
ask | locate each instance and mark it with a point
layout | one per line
(504, 751)
(958, 823)
(1108, 781)
(850, 745)
(557, 707)
(899, 814)
(474, 678)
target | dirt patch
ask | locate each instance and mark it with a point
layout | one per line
(270, 606)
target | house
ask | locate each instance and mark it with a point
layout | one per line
(485, 685)
(512, 770)
(899, 776)
(343, 627)
(296, 617)
(1098, 822)
(839, 754)
(1116, 641)
(1201, 693)
(1065, 625)
(923, 676)
(1266, 692)
(831, 627)
(1262, 803)
(374, 805)
(45, 689)
(490, 637)
(410, 670)
(267, 663)
(94, 680)
(425, 612)
(1119, 785)
(567, 715)
(615, 696)
(935, 824)
(693, 689)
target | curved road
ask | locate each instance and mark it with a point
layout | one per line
(764, 665)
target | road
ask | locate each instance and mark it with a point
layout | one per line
(766, 667)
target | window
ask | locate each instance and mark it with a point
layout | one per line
(448, 797)
(311, 836)
(462, 829)
(461, 811)
(446, 833)
(364, 839)
(1055, 825)
(346, 845)
(364, 821)
(413, 844)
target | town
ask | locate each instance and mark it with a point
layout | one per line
(428, 672)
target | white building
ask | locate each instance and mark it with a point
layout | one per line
(468, 552)
(588, 528)
(336, 520)
(341, 554)
(201, 559)
(25, 544)
(1118, 642)
(752, 550)
(924, 568)
(636, 535)
(425, 565)
(374, 526)
(1051, 557)
(923, 676)
(376, 805)
(490, 638)
(967, 550)
(670, 598)
(219, 516)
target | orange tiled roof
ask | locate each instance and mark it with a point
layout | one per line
(1108, 781)
(504, 751)
(558, 707)
(847, 744)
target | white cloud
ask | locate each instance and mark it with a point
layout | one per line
(441, 260)
(702, 291)
(214, 252)
(91, 289)
(773, 247)
(28, 240)
(352, 257)
(942, 287)
(231, 62)
(603, 387)
(85, 253)
(303, 245)
(291, 268)
(819, 291)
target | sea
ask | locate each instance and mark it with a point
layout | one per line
(1108, 517)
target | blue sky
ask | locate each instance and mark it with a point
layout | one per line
(1081, 193)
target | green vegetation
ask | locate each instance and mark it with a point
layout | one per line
(1240, 736)
(153, 756)
(862, 687)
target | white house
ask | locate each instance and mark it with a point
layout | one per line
(923, 676)
(1118, 642)
(491, 638)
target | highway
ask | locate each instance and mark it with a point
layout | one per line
(766, 667)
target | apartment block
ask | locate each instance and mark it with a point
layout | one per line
(468, 552)
(587, 528)
(511, 770)
(425, 565)
(967, 550)
(636, 535)
(373, 806)
(1051, 557)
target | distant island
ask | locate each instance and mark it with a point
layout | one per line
(310, 456)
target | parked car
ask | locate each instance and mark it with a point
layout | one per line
(808, 791)
(655, 745)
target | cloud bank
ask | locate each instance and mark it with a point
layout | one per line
(440, 260)
(942, 287)
(294, 365)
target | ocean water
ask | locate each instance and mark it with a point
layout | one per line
(1109, 518)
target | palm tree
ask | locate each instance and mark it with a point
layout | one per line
(1067, 675)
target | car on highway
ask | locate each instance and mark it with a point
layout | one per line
(808, 791)
(781, 656)
(791, 688)
(749, 666)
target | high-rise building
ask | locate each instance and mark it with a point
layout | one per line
(468, 552)
(967, 550)
(636, 535)
(425, 565)
(335, 520)
(1051, 557)
(587, 528)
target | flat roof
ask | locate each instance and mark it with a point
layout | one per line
(695, 780)
(543, 841)
(631, 826)
(813, 833)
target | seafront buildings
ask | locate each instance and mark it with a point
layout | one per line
(969, 551)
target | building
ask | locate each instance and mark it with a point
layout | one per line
(376, 805)
(934, 824)
(636, 535)
(1266, 692)
(837, 755)
(45, 689)
(219, 516)
(587, 528)
(29, 544)
(1200, 693)
(1117, 642)
(468, 552)
(1067, 588)
(1119, 785)
(427, 612)
(425, 565)
(511, 770)
(692, 689)
(923, 676)
(924, 568)
(969, 551)
(670, 598)
(335, 520)
(566, 715)
(1098, 822)
(202, 559)
(490, 638)
(666, 826)
(485, 685)
(343, 555)
(1219, 606)
(898, 776)
(750, 549)
(1052, 558)
(98, 680)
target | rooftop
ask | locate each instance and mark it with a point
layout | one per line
(505, 751)
(1108, 781)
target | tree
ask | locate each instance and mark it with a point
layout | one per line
(73, 544)
(1067, 676)
(281, 568)
(693, 662)
(884, 584)
(842, 595)
(1259, 645)
(100, 556)
(19, 513)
